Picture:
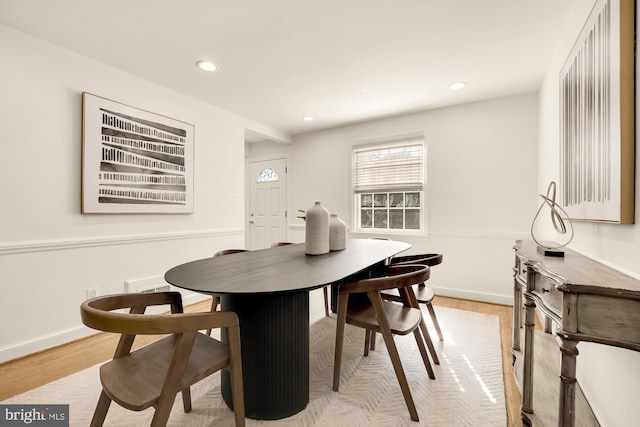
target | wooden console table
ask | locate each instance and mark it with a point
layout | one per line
(586, 299)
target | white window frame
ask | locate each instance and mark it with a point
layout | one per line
(382, 144)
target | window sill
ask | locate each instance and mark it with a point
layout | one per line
(384, 233)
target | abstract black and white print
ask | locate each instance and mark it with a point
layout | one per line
(590, 119)
(134, 161)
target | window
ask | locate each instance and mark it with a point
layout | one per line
(388, 185)
(268, 175)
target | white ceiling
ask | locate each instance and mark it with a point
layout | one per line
(340, 61)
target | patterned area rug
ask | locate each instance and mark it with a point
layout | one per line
(468, 389)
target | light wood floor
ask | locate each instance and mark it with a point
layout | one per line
(34, 370)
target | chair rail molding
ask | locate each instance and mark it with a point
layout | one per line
(79, 242)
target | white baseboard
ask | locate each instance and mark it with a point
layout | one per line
(474, 296)
(44, 342)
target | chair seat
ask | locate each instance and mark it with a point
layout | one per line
(402, 320)
(133, 381)
(424, 294)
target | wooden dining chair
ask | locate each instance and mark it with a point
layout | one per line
(215, 299)
(424, 295)
(377, 315)
(155, 373)
(325, 290)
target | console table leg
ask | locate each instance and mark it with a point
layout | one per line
(517, 315)
(566, 409)
(548, 325)
(527, 377)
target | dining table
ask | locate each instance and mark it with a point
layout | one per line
(269, 291)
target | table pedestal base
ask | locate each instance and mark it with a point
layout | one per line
(274, 337)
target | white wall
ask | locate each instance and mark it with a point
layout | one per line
(609, 376)
(481, 174)
(49, 252)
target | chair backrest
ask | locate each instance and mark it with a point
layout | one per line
(389, 277)
(424, 259)
(99, 313)
(229, 252)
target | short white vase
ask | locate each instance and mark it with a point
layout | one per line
(317, 230)
(337, 233)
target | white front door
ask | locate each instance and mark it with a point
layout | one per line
(267, 202)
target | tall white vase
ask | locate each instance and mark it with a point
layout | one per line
(317, 230)
(337, 233)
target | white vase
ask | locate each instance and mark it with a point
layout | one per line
(317, 230)
(337, 233)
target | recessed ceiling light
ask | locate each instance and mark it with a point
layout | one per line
(457, 86)
(206, 65)
(307, 118)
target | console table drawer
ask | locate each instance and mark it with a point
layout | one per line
(542, 285)
(546, 289)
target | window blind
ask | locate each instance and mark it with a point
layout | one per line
(389, 167)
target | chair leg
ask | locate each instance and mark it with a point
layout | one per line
(370, 342)
(427, 339)
(235, 371)
(161, 415)
(186, 399)
(215, 300)
(340, 322)
(101, 410)
(402, 379)
(385, 329)
(171, 387)
(423, 353)
(325, 291)
(434, 319)
(367, 339)
(409, 298)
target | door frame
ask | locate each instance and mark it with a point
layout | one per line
(247, 194)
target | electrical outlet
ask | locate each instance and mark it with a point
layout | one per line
(92, 292)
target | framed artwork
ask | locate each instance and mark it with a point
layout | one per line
(134, 161)
(597, 104)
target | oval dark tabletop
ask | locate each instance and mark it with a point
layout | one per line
(280, 269)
